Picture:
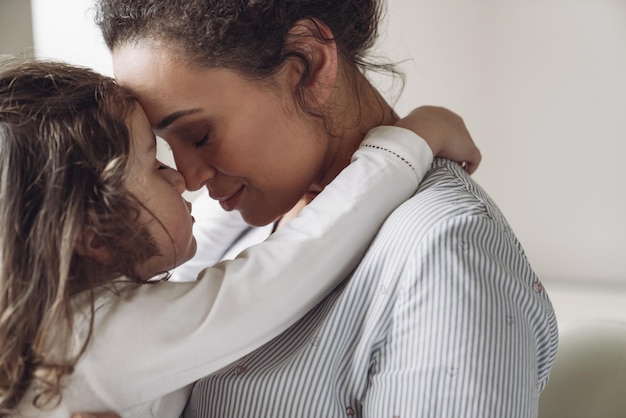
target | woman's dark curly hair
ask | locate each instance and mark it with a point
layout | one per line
(64, 160)
(246, 36)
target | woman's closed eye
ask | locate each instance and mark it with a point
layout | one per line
(202, 141)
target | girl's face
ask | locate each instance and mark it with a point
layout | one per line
(247, 142)
(159, 188)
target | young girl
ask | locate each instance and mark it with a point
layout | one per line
(88, 216)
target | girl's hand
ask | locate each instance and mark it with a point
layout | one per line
(446, 134)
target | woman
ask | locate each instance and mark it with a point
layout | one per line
(261, 103)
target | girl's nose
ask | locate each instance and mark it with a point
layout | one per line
(176, 179)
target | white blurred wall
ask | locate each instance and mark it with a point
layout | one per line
(542, 86)
(65, 29)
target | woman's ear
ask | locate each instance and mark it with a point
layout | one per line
(316, 41)
(89, 244)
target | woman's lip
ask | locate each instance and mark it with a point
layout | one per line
(230, 201)
(224, 197)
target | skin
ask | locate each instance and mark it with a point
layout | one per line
(159, 188)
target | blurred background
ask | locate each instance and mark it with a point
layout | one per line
(541, 84)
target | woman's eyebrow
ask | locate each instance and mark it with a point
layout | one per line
(166, 121)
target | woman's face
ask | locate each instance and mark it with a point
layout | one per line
(247, 142)
(159, 189)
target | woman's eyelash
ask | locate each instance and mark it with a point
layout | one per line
(203, 141)
(162, 166)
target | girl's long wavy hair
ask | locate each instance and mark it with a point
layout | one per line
(64, 159)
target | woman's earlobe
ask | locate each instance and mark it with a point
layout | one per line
(89, 244)
(315, 41)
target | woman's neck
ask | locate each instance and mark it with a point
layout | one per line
(352, 116)
(350, 122)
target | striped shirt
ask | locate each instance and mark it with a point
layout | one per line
(444, 317)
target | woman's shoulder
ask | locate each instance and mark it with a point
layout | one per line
(446, 193)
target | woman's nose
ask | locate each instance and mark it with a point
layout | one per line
(195, 170)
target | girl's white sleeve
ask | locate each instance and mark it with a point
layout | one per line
(162, 337)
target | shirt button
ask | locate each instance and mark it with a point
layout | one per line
(538, 286)
(240, 370)
(350, 411)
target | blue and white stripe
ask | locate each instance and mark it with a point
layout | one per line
(444, 317)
